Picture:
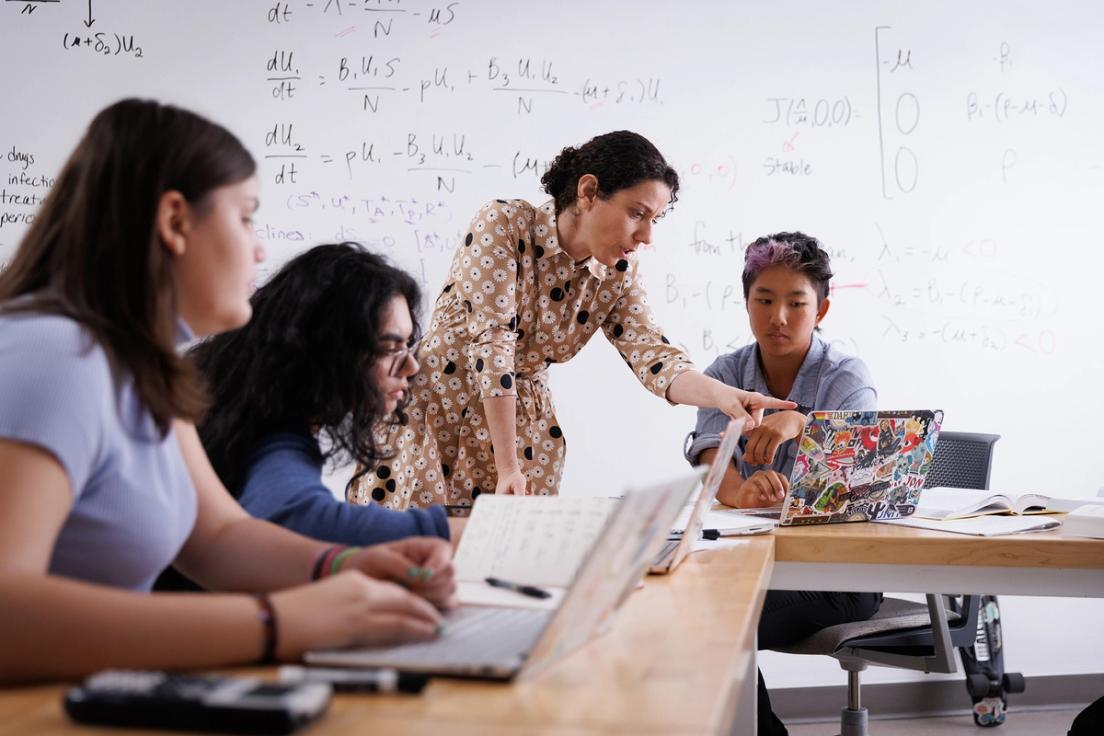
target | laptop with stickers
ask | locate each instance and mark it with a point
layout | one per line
(858, 466)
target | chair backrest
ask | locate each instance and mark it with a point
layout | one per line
(962, 460)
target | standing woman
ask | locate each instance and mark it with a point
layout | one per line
(529, 287)
(146, 238)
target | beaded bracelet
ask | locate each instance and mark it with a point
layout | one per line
(340, 558)
(267, 616)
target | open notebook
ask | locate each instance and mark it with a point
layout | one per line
(532, 540)
(962, 503)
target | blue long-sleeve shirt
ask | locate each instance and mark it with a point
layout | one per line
(284, 485)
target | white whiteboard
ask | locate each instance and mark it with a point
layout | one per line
(948, 154)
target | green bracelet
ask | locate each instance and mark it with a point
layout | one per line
(339, 559)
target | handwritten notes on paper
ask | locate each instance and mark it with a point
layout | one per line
(538, 540)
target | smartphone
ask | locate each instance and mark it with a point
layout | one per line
(150, 699)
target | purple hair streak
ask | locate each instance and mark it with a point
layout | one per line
(797, 251)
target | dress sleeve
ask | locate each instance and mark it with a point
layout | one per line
(632, 329)
(486, 273)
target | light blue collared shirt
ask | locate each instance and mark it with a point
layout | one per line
(828, 380)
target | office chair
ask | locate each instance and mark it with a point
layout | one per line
(965, 460)
(915, 636)
(962, 460)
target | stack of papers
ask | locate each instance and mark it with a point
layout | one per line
(1085, 521)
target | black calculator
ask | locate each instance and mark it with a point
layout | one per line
(147, 699)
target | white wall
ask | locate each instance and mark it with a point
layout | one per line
(949, 156)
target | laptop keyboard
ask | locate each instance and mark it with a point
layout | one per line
(771, 512)
(477, 634)
(667, 548)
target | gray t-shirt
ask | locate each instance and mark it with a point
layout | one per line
(828, 380)
(134, 504)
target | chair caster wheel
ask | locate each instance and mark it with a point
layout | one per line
(978, 685)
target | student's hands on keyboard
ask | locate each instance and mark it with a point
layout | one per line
(350, 609)
(764, 488)
(422, 564)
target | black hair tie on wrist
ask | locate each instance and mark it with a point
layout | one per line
(267, 616)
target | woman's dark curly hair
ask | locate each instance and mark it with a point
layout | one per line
(303, 362)
(618, 160)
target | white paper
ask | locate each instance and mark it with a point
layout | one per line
(479, 593)
(982, 526)
(535, 540)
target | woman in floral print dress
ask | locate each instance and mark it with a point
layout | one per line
(528, 287)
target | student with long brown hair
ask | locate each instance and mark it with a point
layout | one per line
(145, 241)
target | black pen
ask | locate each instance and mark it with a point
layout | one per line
(530, 590)
(382, 680)
(715, 534)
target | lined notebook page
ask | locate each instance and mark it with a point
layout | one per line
(537, 540)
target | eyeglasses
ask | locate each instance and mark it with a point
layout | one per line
(399, 356)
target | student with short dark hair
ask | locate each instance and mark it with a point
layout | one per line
(528, 287)
(786, 287)
(145, 240)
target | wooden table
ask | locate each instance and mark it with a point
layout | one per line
(679, 659)
(883, 557)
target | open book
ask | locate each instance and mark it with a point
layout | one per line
(529, 540)
(963, 503)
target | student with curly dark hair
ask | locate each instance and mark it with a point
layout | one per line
(528, 287)
(786, 286)
(325, 358)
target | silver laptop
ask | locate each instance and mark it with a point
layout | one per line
(674, 551)
(499, 643)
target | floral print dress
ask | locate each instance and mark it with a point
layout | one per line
(514, 303)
